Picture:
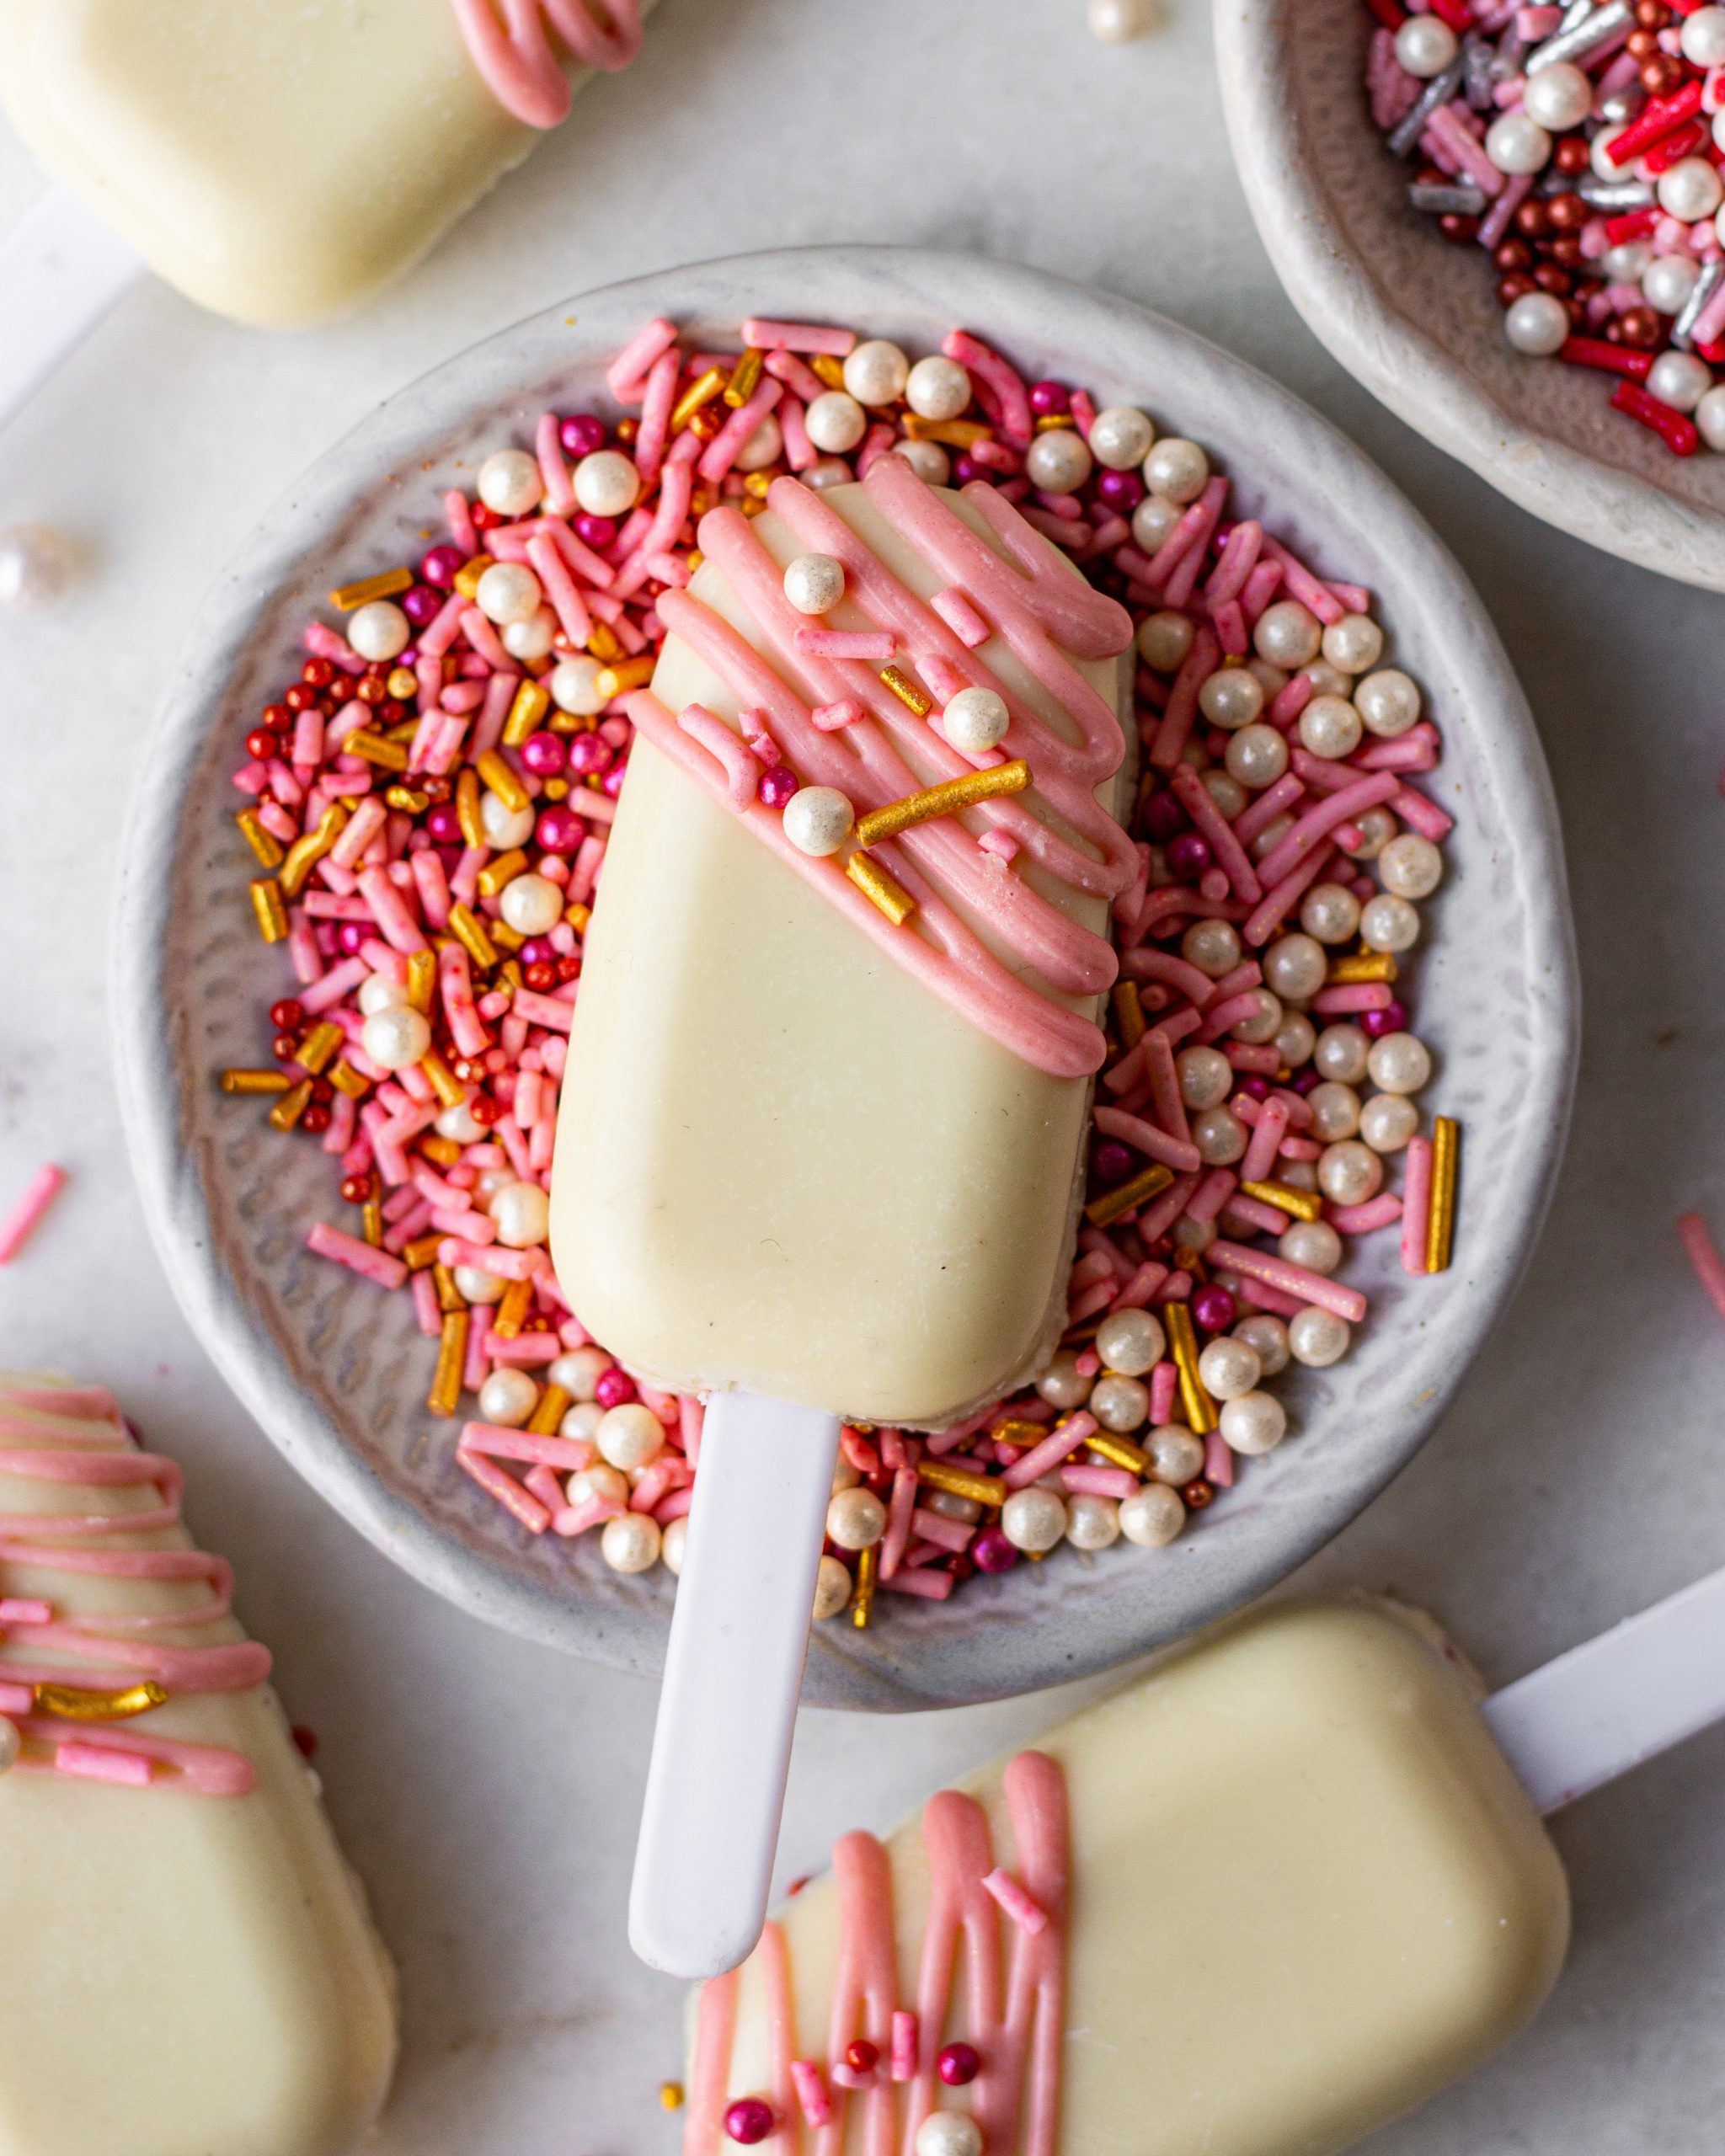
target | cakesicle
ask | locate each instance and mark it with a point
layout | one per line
(280, 163)
(806, 1148)
(189, 1962)
(1267, 1898)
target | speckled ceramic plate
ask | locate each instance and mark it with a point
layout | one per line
(337, 1373)
(1415, 320)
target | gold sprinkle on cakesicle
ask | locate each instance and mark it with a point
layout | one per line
(76, 1703)
(702, 390)
(531, 701)
(745, 378)
(883, 890)
(906, 691)
(942, 800)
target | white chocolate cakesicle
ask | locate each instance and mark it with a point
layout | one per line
(784, 1163)
(185, 1971)
(1305, 1892)
(278, 162)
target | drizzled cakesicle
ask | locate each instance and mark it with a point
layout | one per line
(188, 1964)
(824, 1108)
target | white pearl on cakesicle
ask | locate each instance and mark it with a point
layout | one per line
(949, 2133)
(1059, 462)
(1411, 866)
(818, 820)
(520, 1212)
(937, 388)
(1330, 912)
(1212, 946)
(1062, 1384)
(1294, 966)
(1257, 756)
(1340, 1053)
(1313, 1244)
(1118, 21)
(508, 592)
(1164, 640)
(477, 1286)
(1710, 416)
(1121, 436)
(855, 1519)
(1231, 698)
(1175, 1455)
(1120, 1404)
(1387, 1121)
(1702, 38)
(396, 1038)
(1221, 1137)
(765, 446)
(1268, 1337)
(1330, 727)
(1355, 642)
(1399, 1063)
(1690, 190)
(504, 827)
(630, 1542)
(579, 1371)
(609, 1484)
(927, 460)
(1388, 702)
(510, 482)
(378, 632)
(675, 1538)
(976, 719)
(607, 483)
(814, 584)
(836, 422)
(1031, 1519)
(877, 371)
(1668, 280)
(1152, 521)
(1389, 924)
(378, 992)
(36, 566)
(1349, 1173)
(630, 1436)
(1206, 1076)
(508, 1397)
(1335, 1111)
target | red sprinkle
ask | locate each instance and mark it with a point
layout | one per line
(1677, 429)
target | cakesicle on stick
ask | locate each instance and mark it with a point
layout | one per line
(1270, 1896)
(189, 1963)
(276, 165)
(822, 1117)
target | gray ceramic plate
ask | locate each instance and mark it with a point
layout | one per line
(337, 1373)
(1414, 319)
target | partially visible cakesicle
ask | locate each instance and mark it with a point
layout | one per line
(188, 1963)
(1269, 1896)
(279, 163)
(810, 1148)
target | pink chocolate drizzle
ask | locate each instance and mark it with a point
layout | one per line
(91, 1462)
(510, 44)
(1043, 613)
(1014, 1993)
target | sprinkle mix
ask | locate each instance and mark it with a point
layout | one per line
(429, 804)
(1584, 147)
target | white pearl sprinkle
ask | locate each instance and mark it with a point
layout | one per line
(630, 1542)
(814, 584)
(937, 388)
(510, 483)
(976, 719)
(1121, 437)
(36, 567)
(607, 483)
(835, 422)
(379, 630)
(1059, 462)
(396, 1039)
(876, 371)
(818, 820)
(508, 592)
(531, 904)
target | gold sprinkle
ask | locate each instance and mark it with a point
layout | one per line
(906, 691)
(758, 484)
(702, 390)
(503, 869)
(1119, 1451)
(466, 577)
(407, 800)
(670, 2095)
(449, 1296)
(452, 1355)
(441, 1152)
(556, 789)
(942, 800)
(346, 597)
(705, 423)
(1361, 966)
(1129, 1012)
(1127, 1197)
(255, 1082)
(417, 1255)
(507, 939)
(444, 1084)
(265, 844)
(467, 808)
(863, 1598)
(371, 1223)
(404, 732)
(75, 1703)
(532, 702)
(346, 1080)
(1446, 1150)
(422, 978)
(1013, 1432)
(602, 644)
(1183, 1340)
(554, 1403)
(402, 683)
(319, 1047)
(471, 934)
(512, 1309)
(1047, 422)
(956, 434)
(577, 916)
(827, 369)
(267, 904)
(499, 775)
(961, 1482)
(292, 1105)
(746, 377)
(893, 900)
(305, 853)
(1303, 1204)
(694, 560)
(623, 674)
(752, 505)
(376, 748)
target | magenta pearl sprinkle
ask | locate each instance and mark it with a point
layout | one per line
(1048, 397)
(589, 754)
(559, 830)
(749, 2120)
(581, 435)
(596, 531)
(616, 1388)
(1188, 855)
(991, 1552)
(958, 2064)
(777, 787)
(545, 754)
(1120, 490)
(444, 824)
(440, 566)
(421, 605)
(1112, 1160)
(1214, 1308)
(1391, 1019)
(1164, 817)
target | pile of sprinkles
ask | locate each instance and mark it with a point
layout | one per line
(429, 804)
(1584, 148)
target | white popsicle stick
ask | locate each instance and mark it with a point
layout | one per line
(1603, 1708)
(60, 270)
(721, 1745)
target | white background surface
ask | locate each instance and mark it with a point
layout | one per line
(484, 1787)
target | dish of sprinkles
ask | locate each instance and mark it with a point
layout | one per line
(1584, 148)
(429, 804)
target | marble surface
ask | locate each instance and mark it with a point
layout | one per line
(484, 1786)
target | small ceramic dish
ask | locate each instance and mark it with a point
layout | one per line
(337, 1373)
(1414, 318)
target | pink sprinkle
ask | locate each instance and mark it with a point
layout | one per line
(1291, 1279)
(766, 336)
(374, 1265)
(806, 2079)
(904, 2043)
(830, 718)
(21, 1222)
(1027, 1914)
(929, 1586)
(1052, 1452)
(1703, 1254)
(877, 646)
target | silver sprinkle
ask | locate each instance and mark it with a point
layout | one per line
(1578, 11)
(1438, 201)
(1478, 73)
(1575, 39)
(1615, 194)
(1438, 92)
(1708, 283)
